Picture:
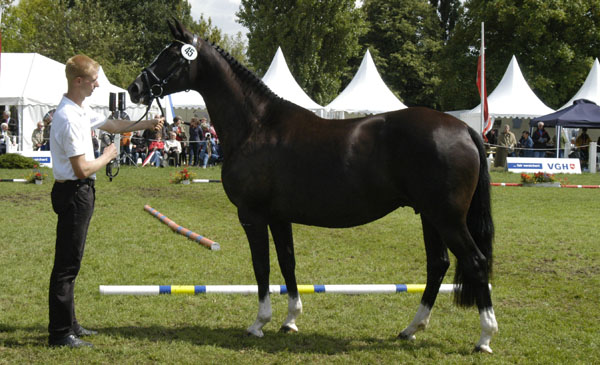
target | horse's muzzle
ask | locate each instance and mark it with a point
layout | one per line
(136, 92)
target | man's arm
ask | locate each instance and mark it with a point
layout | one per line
(119, 126)
(83, 168)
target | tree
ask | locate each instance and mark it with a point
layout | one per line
(555, 43)
(317, 38)
(405, 38)
(123, 36)
(448, 12)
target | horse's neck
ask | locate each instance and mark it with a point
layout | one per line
(233, 101)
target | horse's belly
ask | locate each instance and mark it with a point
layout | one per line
(334, 213)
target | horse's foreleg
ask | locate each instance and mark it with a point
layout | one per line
(437, 265)
(258, 237)
(284, 244)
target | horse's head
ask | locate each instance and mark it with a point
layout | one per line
(171, 70)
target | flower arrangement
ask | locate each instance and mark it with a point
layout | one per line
(36, 176)
(537, 178)
(181, 176)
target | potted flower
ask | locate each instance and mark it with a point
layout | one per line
(36, 176)
(539, 179)
(183, 177)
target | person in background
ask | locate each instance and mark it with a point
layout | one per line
(195, 139)
(125, 141)
(507, 144)
(526, 143)
(73, 193)
(13, 125)
(182, 138)
(139, 147)
(47, 129)
(540, 141)
(583, 144)
(173, 148)
(157, 145)
(6, 139)
(209, 154)
(37, 137)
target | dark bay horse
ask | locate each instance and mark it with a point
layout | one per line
(283, 165)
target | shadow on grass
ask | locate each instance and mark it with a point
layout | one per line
(273, 342)
(234, 339)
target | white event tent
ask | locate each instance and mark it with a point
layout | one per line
(35, 84)
(280, 80)
(590, 89)
(512, 98)
(366, 93)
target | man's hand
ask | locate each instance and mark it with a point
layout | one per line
(110, 151)
(158, 123)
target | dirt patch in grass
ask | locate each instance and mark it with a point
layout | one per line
(25, 199)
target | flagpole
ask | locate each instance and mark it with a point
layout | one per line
(482, 81)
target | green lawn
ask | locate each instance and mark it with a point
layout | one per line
(546, 280)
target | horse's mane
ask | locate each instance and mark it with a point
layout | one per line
(245, 74)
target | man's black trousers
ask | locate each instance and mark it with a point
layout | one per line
(73, 202)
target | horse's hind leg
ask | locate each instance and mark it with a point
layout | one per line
(284, 244)
(437, 265)
(472, 270)
(258, 237)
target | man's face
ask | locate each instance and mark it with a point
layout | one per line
(89, 83)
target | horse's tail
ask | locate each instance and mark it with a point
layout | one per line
(481, 228)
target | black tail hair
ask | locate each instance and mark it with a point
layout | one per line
(481, 227)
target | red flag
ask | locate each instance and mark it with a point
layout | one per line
(483, 94)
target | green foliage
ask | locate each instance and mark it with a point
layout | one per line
(405, 37)
(123, 36)
(16, 161)
(546, 275)
(318, 38)
(555, 43)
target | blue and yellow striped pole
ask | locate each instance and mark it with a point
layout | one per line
(273, 289)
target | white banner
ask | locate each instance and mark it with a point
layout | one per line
(549, 165)
(43, 157)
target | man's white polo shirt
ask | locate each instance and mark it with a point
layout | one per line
(71, 135)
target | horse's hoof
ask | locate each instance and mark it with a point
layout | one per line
(254, 333)
(405, 336)
(290, 328)
(483, 348)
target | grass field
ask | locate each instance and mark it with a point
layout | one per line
(546, 281)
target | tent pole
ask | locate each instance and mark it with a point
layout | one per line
(558, 135)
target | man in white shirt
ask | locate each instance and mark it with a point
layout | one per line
(73, 193)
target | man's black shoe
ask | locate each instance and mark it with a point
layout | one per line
(82, 332)
(71, 341)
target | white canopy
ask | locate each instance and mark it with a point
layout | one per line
(366, 93)
(35, 85)
(512, 98)
(280, 80)
(190, 99)
(590, 89)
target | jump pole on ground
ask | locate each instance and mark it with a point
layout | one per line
(273, 289)
(210, 244)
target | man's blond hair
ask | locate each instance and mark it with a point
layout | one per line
(80, 66)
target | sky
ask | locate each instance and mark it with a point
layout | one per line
(222, 14)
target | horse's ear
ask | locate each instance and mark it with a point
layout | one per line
(176, 35)
(180, 29)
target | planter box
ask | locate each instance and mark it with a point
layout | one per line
(544, 185)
